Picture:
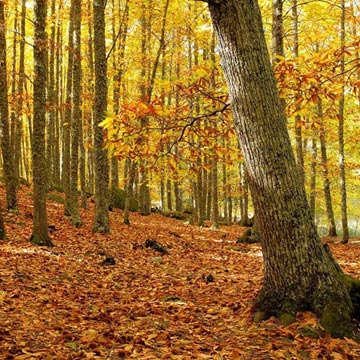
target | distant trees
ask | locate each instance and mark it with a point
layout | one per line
(166, 116)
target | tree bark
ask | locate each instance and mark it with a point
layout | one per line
(76, 118)
(8, 160)
(66, 157)
(312, 197)
(51, 99)
(299, 271)
(40, 229)
(101, 219)
(20, 92)
(325, 172)
(298, 123)
(344, 220)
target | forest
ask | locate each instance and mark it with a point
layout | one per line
(153, 153)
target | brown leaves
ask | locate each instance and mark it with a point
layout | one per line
(63, 304)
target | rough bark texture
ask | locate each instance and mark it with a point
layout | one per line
(299, 272)
(20, 91)
(66, 157)
(8, 160)
(76, 118)
(40, 229)
(101, 220)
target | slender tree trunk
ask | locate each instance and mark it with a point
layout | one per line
(300, 273)
(325, 172)
(312, 197)
(66, 145)
(224, 194)
(298, 122)
(144, 192)
(8, 160)
(101, 219)
(90, 117)
(76, 118)
(344, 219)
(277, 29)
(58, 101)
(20, 92)
(129, 192)
(214, 195)
(40, 229)
(52, 103)
(244, 210)
(13, 115)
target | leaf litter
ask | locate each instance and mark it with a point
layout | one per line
(194, 302)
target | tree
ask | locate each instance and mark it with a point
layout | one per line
(8, 159)
(76, 117)
(66, 156)
(325, 171)
(40, 229)
(344, 220)
(300, 273)
(101, 220)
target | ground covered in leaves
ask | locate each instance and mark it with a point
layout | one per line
(110, 297)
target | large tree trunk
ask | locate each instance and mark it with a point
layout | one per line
(299, 271)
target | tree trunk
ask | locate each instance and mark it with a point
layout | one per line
(13, 114)
(344, 220)
(325, 172)
(20, 91)
(298, 122)
(214, 194)
(299, 272)
(129, 193)
(312, 197)
(244, 204)
(66, 145)
(101, 219)
(277, 29)
(58, 100)
(40, 229)
(90, 116)
(76, 118)
(51, 100)
(8, 160)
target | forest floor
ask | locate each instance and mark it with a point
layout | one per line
(65, 302)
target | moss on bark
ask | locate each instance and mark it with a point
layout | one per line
(336, 308)
(35, 240)
(336, 320)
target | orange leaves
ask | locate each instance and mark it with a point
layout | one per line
(303, 80)
(174, 137)
(141, 308)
